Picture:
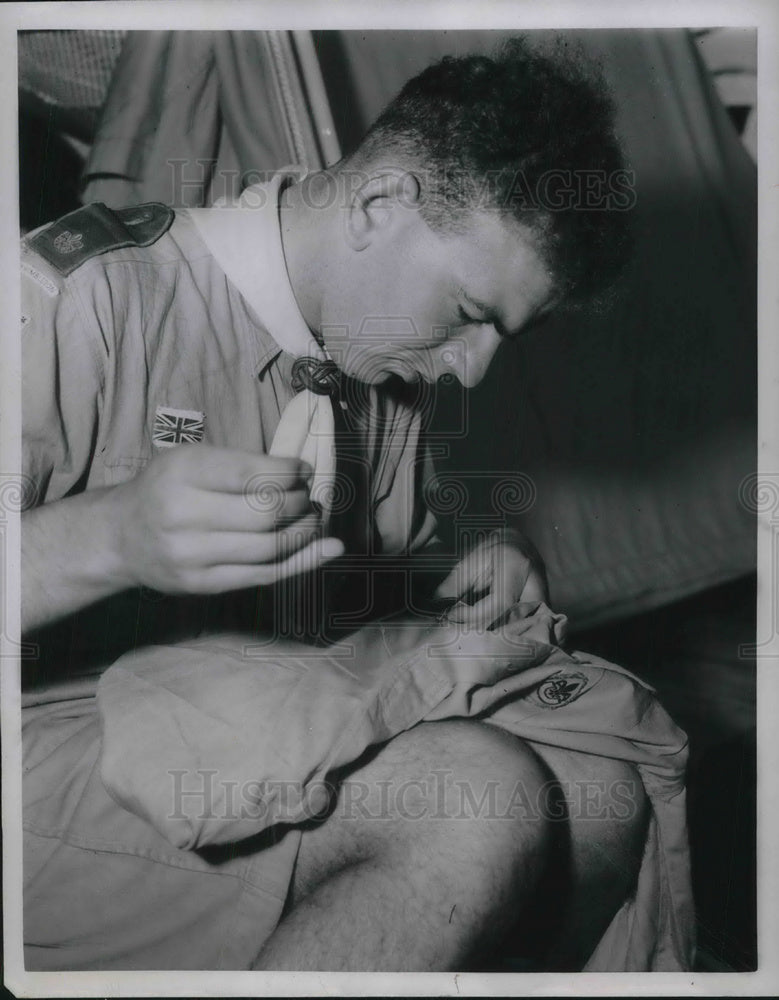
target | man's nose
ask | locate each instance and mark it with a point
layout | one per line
(468, 356)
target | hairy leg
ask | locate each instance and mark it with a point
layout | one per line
(453, 836)
(425, 859)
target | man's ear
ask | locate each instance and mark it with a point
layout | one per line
(375, 204)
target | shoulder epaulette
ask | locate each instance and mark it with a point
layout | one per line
(95, 229)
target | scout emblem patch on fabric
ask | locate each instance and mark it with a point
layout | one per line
(68, 242)
(561, 688)
(95, 229)
(172, 427)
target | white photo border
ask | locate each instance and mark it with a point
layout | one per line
(431, 14)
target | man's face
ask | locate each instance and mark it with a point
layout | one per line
(421, 304)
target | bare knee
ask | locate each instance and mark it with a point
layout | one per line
(455, 800)
(461, 780)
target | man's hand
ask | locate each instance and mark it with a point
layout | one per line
(203, 520)
(492, 577)
(197, 520)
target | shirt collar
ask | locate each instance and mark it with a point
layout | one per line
(245, 240)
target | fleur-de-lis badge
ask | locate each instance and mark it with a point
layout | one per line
(560, 688)
(68, 242)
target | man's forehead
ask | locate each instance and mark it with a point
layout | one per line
(500, 261)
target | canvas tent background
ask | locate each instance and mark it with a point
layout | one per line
(635, 428)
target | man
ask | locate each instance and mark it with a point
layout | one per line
(159, 371)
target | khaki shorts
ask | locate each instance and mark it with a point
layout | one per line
(104, 890)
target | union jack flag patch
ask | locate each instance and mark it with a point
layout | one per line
(172, 427)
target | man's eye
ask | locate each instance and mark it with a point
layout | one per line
(465, 318)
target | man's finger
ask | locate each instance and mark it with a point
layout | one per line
(304, 560)
(449, 587)
(228, 470)
(479, 615)
(264, 510)
(223, 578)
(296, 536)
(535, 588)
(459, 580)
(226, 548)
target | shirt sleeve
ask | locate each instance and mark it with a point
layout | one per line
(63, 359)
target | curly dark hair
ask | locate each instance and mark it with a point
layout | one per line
(525, 132)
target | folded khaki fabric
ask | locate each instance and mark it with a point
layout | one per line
(267, 720)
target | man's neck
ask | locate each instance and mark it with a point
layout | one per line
(307, 212)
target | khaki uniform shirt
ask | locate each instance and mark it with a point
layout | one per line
(142, 348)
